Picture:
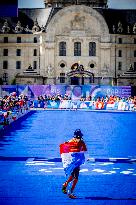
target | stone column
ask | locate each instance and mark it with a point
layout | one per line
(42, 56)
(49, 62)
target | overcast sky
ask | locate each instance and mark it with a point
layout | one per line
(121, 4)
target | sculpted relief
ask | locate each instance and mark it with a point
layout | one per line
(69, 21)
(78, 23)
(75, 23)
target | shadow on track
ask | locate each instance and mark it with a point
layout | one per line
(105, 198)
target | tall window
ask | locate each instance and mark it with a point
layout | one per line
(5, 64)
(5, 39)
(92, 49)
(18, 64)
(77, 49)
(18, 52)
(135, 53)
(134, 66)
(120, 40)
(62, 48)
(35, 52)
(35, 65)
(120, 53)
(62, 77)
(18, 39)
(35, 39)
(5, 52)
(5, 77)
(119, 65)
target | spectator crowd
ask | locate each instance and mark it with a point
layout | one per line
(96, 103)
(13, 106)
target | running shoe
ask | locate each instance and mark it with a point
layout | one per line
(64, 189)
(72, 196)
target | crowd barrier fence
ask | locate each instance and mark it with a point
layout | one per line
(77, 104)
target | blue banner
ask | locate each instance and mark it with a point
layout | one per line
(73, 92)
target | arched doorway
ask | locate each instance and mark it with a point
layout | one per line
(77, 75)
(74, 80)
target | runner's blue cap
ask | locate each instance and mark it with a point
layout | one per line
(78, 134)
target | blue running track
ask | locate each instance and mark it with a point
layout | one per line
(31, 171)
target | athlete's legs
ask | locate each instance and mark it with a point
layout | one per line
(73, 177)
(69, 180)
(74, 184)
(64, 187)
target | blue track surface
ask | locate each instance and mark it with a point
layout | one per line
(31, 169)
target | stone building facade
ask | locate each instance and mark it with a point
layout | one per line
(69, 42)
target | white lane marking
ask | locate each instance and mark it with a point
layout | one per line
(84, 170)
(126, 172)
(116, 168)
(113, 172)
(107, 173)
(131, 169)
(29, 160)
(37, 164)
(106, 163)
(43, 161)
(115, 159)
(98, 170)
(42, 170)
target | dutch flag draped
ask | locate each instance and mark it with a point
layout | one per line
(72, 154)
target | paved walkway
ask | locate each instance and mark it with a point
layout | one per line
(31, 171)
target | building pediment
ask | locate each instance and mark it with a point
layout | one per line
(87, 20)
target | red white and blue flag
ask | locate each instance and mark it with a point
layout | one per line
(72, 154)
